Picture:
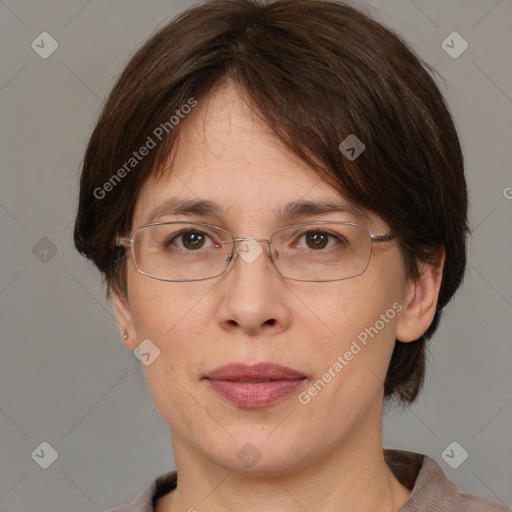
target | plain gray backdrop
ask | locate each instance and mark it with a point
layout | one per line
(65, 377)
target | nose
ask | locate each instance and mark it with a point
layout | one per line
(254, 294)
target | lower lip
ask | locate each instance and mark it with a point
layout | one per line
(253, 395)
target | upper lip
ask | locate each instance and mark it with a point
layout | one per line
(253, 372)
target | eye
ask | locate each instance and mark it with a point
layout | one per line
(319, 240)
(190, 240)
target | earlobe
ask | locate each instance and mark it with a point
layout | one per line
(420, 302)
(125, 321)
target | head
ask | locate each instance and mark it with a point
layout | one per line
(245, 104)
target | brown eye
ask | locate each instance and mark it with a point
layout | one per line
(189, 240)
(317, 239)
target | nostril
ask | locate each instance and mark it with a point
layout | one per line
(271, 321)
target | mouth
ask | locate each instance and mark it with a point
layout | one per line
(254, 386)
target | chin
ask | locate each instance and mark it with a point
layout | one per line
(258, 451)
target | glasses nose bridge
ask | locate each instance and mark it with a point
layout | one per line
(252, 239)
(235, 253)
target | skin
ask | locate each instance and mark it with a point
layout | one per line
(326, 455)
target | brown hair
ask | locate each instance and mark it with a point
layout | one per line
(316, 71)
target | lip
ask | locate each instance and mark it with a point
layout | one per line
(254, 386)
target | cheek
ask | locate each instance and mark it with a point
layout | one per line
(340, 311)
(350, 372)
(172, 316)
(164, 311)
(177, 318)
(359, 318)
(174, 398)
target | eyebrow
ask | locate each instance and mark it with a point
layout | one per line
(299, 208)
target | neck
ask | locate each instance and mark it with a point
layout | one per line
(352, 475)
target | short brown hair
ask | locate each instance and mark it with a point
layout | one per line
(316, 71)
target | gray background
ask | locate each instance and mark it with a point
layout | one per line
(66, 378)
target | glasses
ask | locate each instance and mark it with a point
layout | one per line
(195, 251)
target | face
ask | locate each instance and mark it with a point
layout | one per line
(253, 315)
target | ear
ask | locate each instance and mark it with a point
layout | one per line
(125, 320)
(421, 300)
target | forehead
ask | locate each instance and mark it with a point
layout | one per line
(225, 140)
(226, 154)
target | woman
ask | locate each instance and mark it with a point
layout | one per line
(275, 194)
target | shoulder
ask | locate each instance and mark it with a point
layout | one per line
(145, 501)
(472, 503)
(431, 489)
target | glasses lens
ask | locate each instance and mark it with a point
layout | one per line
(181, 251)
(322, 252)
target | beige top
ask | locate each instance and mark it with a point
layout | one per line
(431, 490)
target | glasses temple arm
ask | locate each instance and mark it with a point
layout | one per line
(123, 240)
(383, 238)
